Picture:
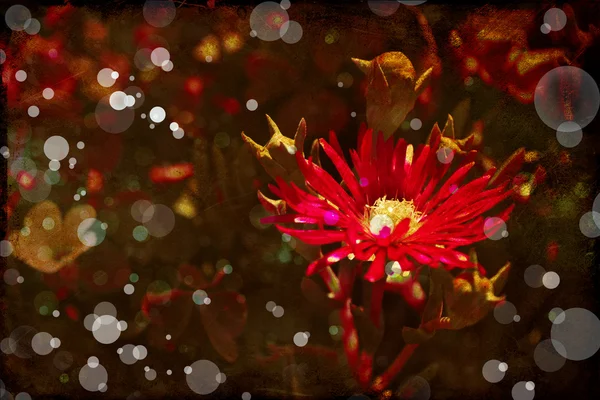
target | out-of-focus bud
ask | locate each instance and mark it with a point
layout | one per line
(54, 243)
(524, 184)
(393, 87)
(171, 173)
(278, 156)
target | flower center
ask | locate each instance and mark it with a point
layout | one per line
(389, 213)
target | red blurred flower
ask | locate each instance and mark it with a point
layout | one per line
(402, 206)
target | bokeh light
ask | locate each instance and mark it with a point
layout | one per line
(567, 94)
(267, 19)
(383, 8)
(17, 17)
(555, 18)
(523, 391)
(505, 312)
(533, 276)
(578, 334)
(159, 13)
(201, 377)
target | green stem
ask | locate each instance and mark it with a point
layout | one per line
(331, 280)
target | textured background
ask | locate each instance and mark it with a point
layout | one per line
(289, 81)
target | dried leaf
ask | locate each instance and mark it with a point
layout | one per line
(276, 207)
(49, 250)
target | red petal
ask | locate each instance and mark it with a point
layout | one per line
(345, 172)
(324, 184)
(289, 219)
(444, 191)
(335, 144)
(315, 236)
(328, 259)
(377, 268)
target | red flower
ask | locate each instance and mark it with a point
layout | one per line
(402, 207)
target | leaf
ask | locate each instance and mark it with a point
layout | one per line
(167, 313)
(315, 153)
(461, 115)
(510, 168)
(370, 335)
(313, 292)
(435, 302)
(347, 276)
(416, 336)
(224, 319)
(423, 81)
(499, 280)
(231, 310)
(379, 89)
(415, 387)
(222, 340)
(195, 275)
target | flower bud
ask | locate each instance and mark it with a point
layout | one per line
(278, 156)
(392, 90)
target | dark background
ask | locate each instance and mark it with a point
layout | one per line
(291, 82)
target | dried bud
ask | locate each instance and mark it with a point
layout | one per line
(468, 299)
(392, 90)
(276, 207)
(458, 146)
(472, 296)
(277, 156)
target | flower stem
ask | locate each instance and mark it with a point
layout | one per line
(349, 336)
(382, 381)
(331, 280)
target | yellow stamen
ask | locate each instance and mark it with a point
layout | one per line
(390, 213)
